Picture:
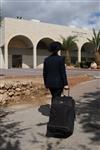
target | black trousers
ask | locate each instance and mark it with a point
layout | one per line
(56, 92)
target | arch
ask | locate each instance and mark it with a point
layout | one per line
(20, 52)
(42, 49)
(87, 52)
(73, 53)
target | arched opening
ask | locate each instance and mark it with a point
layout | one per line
(42, 50)
(87, 54)
(20, 52)
(73, 53)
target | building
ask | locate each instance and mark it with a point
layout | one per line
(24, 43)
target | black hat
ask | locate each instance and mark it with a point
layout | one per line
(55, 46)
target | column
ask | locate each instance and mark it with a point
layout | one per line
(79, 52)
(79, 55)
(6, 56)
(59, 52)
(34, 57)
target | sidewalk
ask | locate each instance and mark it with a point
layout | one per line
(34, 72)
(24, 127)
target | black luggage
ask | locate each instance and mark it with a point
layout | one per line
(62, 116)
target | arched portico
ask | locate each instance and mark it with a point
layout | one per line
(20, 52)
(42, 49)
(15, 40)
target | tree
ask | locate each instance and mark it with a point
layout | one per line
(67, 45)
(95, 41)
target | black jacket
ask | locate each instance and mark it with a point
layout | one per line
(54, 72)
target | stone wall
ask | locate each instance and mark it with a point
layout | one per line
(18, 91)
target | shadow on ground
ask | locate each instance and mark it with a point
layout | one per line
(10, 132)
(56, 144)
(89, 113)
(44, 109)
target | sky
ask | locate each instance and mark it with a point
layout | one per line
(79, 13)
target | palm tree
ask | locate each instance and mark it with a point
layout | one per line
(95, 41)
(67, 45)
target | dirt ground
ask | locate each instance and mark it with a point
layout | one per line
(42, 96)
(39, 80)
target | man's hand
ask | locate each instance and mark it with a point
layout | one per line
(66, 87)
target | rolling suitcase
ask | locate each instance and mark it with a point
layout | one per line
(62, 116)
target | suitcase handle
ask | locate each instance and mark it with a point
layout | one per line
(66, 90)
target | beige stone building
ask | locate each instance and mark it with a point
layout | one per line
(23, 43)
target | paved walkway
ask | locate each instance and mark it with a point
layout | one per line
(30, 72)
(24, 128)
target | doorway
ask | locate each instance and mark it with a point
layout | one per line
(17, 61)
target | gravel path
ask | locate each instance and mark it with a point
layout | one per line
(24, 127)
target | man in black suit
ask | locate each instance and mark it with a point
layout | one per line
(54, 72)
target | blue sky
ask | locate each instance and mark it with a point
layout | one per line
(80, 13)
